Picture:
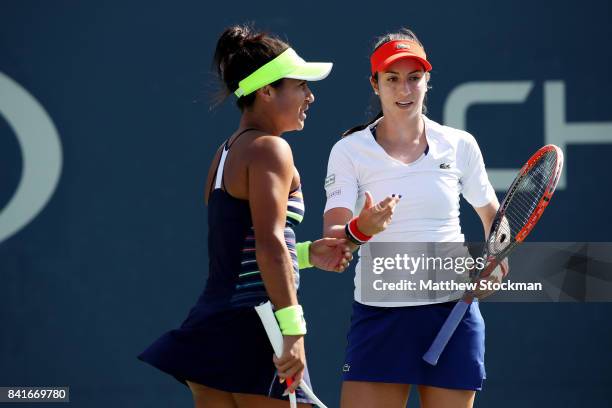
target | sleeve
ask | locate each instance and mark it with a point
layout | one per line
(475, 185)
(341, 185)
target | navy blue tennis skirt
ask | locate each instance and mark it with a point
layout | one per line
(386, 344)
(226, 350)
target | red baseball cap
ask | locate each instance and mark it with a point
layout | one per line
(392, 51)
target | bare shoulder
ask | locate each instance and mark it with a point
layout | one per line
(270, 149)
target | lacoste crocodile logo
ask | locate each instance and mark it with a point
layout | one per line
(445, 166)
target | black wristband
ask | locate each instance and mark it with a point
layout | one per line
(350, 236)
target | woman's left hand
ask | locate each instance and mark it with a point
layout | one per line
(330, 254)
(496, 276)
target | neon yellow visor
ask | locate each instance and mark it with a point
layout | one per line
(286, 65)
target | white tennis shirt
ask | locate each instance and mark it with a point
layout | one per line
(430, 186)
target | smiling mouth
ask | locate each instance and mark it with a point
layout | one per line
(403, 104)
(303, 112)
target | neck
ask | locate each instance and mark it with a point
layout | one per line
(263, 121)
(401, 129)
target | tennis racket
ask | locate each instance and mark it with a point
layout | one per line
(527, 198)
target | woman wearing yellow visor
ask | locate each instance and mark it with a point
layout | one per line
(221, 351)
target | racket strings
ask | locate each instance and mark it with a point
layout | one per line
(522, 201)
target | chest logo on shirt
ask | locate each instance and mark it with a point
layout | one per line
(329, 180)
(445, 166)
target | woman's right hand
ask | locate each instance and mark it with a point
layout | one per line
(291, 364)
(375, 218)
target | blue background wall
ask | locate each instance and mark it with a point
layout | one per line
(117, 256)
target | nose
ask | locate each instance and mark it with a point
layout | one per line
(406, 89)
(309, 95)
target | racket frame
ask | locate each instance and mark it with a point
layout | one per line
(450, 325)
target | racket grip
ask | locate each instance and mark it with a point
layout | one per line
(446, 332)
(292, 398)
(266, 315)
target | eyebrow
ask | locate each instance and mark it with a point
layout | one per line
(397, 73)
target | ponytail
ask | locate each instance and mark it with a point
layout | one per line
(361, 127)
(239, 52)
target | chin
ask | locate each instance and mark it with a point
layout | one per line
(413, 111)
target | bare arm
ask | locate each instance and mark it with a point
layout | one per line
(270, 172)
(487, 214)
(372, 218)
(334, 221)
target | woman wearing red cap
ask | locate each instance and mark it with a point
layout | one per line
(402, 151)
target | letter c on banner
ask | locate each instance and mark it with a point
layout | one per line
(41, 151)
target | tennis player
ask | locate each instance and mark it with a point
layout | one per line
(221, 350)
(402, 151)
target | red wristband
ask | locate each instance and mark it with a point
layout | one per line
(354, 230)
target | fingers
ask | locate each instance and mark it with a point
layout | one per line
(331, 254)
(369, 200)
(297, 378)
(348, 257)
(295, 382)
(494, 277)
(291, 369)
(505, 267)
(337, 242)
(373, 220)
(284, 362)
(386, 207)
(290, 372)
(291, 364)
(395, 200)
(384, 203)
(331, 242)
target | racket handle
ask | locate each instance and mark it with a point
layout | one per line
(266, 315)
(446, 332)
(292, 398)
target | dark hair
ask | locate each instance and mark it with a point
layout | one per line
(401, 34)
(240, 51)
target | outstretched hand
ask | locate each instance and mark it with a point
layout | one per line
(375, 218)
(330, 254)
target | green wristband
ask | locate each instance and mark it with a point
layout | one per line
(303, 254)
(291, 320)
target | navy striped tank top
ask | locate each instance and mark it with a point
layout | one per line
(234, 279)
